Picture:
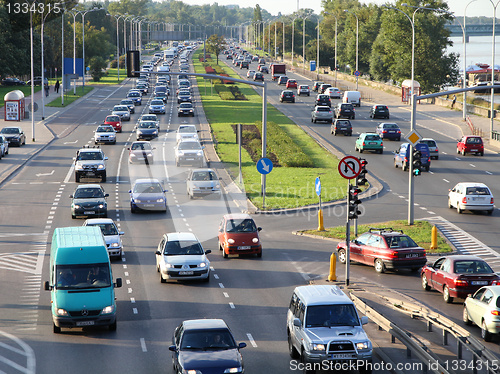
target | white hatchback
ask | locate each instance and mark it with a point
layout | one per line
(333, 92)
(471, 196)
(303, 89)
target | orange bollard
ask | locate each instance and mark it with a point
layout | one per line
(332, 277)
(434, 237)
(321, 227)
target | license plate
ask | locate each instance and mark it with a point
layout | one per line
(186, 273)
(479, 283)
(412, 255)
(190, 159)
(89, 173)
(85, 323)
(244, 247)
(342, 356)
(89, 212)
(473, 150)
(392, 132)
(148, 205)
(372, 142)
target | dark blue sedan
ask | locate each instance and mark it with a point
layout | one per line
(206, 346)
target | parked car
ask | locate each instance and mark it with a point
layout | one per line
(291, 83)
(333, 92)
(287, 95)
(141, 151)
(14, 135)
(322, 113)
(433, 148)
(471, 196)
(13, 81)
(369, 142)
(121, 111)
(384, 248)
(89, 200)
(470, 144)
(303, 89)
(341, 126)
(238, 234)
(115, 121)
(343, 110)
(189, 151)
(379, 111)
(180, 256)
(206, 346)
(482, 309)
(323, 100)
(37, 81)
(402, 156)
(4, 146)
(105, 134)
(111, 234)
(148, 194)
(388, 130)
(457, 276)
(203, 182)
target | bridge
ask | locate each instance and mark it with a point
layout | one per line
(474, 30)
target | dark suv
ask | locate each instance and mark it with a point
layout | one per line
(379, 111)
(287, 95)
(244, 65)
(384, 248)
(323, 100)
(345, 110)
(341, 126)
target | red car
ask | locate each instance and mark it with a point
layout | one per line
(114, 121)
(291, 83)
(470, 144)
(458, 276)
(238, 234)
(384, 248)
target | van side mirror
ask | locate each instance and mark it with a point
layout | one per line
(172, 348)
(296, 322)
(118, 283)
(242, 345)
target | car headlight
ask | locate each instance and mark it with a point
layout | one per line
(181, 153)
(160, 200)
(255, 240)
(78, 167)
(230, 241)
(318, 347)
(61, 312)
(168, 266)
(100, 206)
(202, 265)
(115, 245)
(199, 153)
(100, 166)
(363, 345)
(139, 131)
(155, 132)
(107, 310)
(238, 369)
(76, 206)
(137, 200)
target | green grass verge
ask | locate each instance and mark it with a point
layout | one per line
(69, 97)
(420, 232)
(286, 187)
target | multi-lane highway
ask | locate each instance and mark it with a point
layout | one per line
(250, 294)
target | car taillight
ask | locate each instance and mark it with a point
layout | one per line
(491, 201)
(495, 282)
(394, 254)
(464, 200)
(495, 312)
(437, 150)
(363, 144)
(461, 282)
(384, 131)
(382, 144)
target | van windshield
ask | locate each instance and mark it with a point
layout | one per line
(82, 276)
(331, 315)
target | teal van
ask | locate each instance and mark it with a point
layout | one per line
(81, 281)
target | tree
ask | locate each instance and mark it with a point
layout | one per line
(215, 44)
(97, 65)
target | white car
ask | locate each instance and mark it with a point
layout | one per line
(180, 256)
(150, 117)
(250, 74)
(111, 235)
(105, 134)
(203, 182)
(471, 196)
(303, 89)
(186, 132)
(157, 106)
(122, 111)
(333, 92)
(4, 146)
(189, 151)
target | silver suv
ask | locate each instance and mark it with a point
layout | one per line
(90, 163)
(323, 326)
(322, 113)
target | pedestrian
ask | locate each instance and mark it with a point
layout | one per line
(47, 88)
(56, 86)
(454, 100)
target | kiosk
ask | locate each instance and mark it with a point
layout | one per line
(14, 106)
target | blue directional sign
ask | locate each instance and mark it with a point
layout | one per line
(264, 165)
(317, 186)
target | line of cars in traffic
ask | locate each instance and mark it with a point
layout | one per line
(11, 136)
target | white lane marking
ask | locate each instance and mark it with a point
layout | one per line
(216, 276)
(446, 180)
(232, 305)
(45, 174)
(221, 285)
(70, 172)
(143, 345)
(135, 311)
(489, 172)
(472, 165)
(132, 300)
(225, 294)
(251, 339)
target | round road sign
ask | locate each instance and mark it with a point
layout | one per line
(349, 167)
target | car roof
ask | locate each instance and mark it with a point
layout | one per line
(196, 324)
(322, 295)
(463, 257)
(237, 216)
(472, 184)
(178, 236)
(90, 185)
(146, 180)
(98, 221)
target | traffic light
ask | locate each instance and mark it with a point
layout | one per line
(361, 178)
(417, 162)
(353, 201)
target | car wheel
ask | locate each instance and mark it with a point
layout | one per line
(133, 209)
(481, 154)
(449, 203)
(379, 266)
(485, 334)
(353, 117)
(103, 179)
(291, 349)
(436, 158)
(459, 211)
(381, 151)
(463, 152)
(360, 150)
(404, 167)
(162, 280)
(314, 120)
(465, 317)
(446, 295)
(259, 254)
(224, 254)
(112, 327)
(303, 361)
(335, 133)
(387, 116)
(425, 284)
(342, 256)
(490, 212)
(73, 216)
(56, 329)
(395, 164)
(77, 178)
(427, 168)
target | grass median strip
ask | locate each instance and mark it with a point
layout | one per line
(286, 187)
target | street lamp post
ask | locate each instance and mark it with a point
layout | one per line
(304, 40)
(357, 39)
(83, 41)
(118, 43)
(492, 113)
(43, 66)
(335, 45)
(283, 52)
(317, 51)
(74, 14)
(293, 37)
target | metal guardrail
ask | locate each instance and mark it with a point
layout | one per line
(483, 358)
(495, 135)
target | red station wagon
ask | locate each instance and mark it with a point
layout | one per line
(114, 121)
(384, 249)
(238, 234)
(458, 276)
(470, 144)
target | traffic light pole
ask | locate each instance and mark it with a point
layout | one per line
(348, 236)
(411, 188)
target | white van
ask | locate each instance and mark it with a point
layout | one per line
(353, 97)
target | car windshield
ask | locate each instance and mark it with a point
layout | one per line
(187, 129)
(120, 109)
(106, 228)
(140, 146)
(88, 193)
(323, 109)
(112, 119)
(204, 176)
(105, 129)
(210, 339)
(477, 191)
(400, 241)
(147, 125)
(372, 137)
(156, 102)
(150, 117)
(183, 247)
(241, 225)
(86, 156)
(474, 141)
(127, 102)
(10, 130)
(331, 315)
(134, 94)
(82, 276)
(185, 106)
(147, 188)
(390, 126)
(472, 267)
(189, 145)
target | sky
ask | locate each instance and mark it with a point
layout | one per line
(478, 8)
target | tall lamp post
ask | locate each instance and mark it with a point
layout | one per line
(118, 43)
(464, 79)
(283, 52)
(492, 115)
(43, 66)
(74, 14)
(293, 37)
(335, 45)
(304, 40)
(83, 41)
(357, 39)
